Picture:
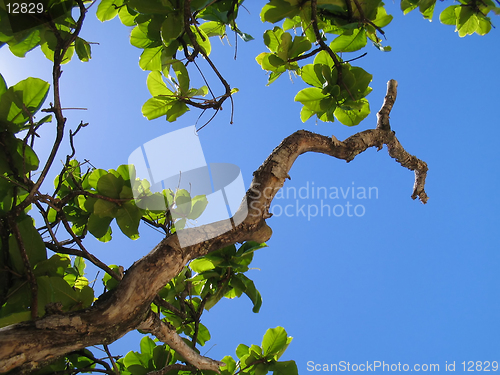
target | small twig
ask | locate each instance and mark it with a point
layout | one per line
(168, 306)
(302, 57)
(88, 256)
(47, 224)
(357, 58)
(111, 359)
(90, 356)
(364, 19)
(71, 136)
(59, 52)
(390, 98)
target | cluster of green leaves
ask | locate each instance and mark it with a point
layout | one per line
(94, 199)
(58, 280)
(262, 359)
(162, 31)
(18, 105)
(338, 89)
(61, 283)
(251, 360)
(218, 274)
(331, 96)
(468, 17)
(24, 31)
(152, 357)
(185, 297)
(221, 274)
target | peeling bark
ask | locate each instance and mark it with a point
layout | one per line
(29, 345)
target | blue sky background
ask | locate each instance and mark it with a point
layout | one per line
(403, 283)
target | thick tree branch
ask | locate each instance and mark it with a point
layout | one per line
(31, 344)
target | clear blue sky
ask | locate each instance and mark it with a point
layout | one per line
(404, 282)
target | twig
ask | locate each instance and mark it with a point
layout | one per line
(113, 363)
(89, 256)
(390, 98)
(61, 48)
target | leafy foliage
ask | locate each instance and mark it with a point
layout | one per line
(172, 35)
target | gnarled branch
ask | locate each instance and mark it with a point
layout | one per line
(31, 344)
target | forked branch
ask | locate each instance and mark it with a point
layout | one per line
(29, 345)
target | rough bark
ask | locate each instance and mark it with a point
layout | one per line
(28, 345)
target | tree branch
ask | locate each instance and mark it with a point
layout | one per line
(31, 344)
(390, 98)
(167, 334)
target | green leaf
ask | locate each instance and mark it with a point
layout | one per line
(21, 101)
(156, 85)
(32, 243)
(299, 45)
(276, 10)
(105, 208)
(467, 22)
(284, 368)
(27, 44)
(325, 59)
(349, 43)
(175, 110)
(128, 219)
(312, 74)
(48, 44)
(155, 108)
(353, 116)
(172, 27)
(99, 226)
(202, 40)
(484, 25)
(230, 367)
(82, 48)
(147, 346)
(183, 203)
(109, 185)
(160, 356)
(182, 76)
(151, 58)
(127, 16)
(383, 19)
(15, 318)
(251, 292)
(150, 6)
(3, 85)
(273, 341)
(213, 28)
(311, 98)
(272, 38)
(55, 289)
(139, 39)
(108, 9)
(108, 281)
(198, 205)
(56, 265)
(201, 265)
(426, 7)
